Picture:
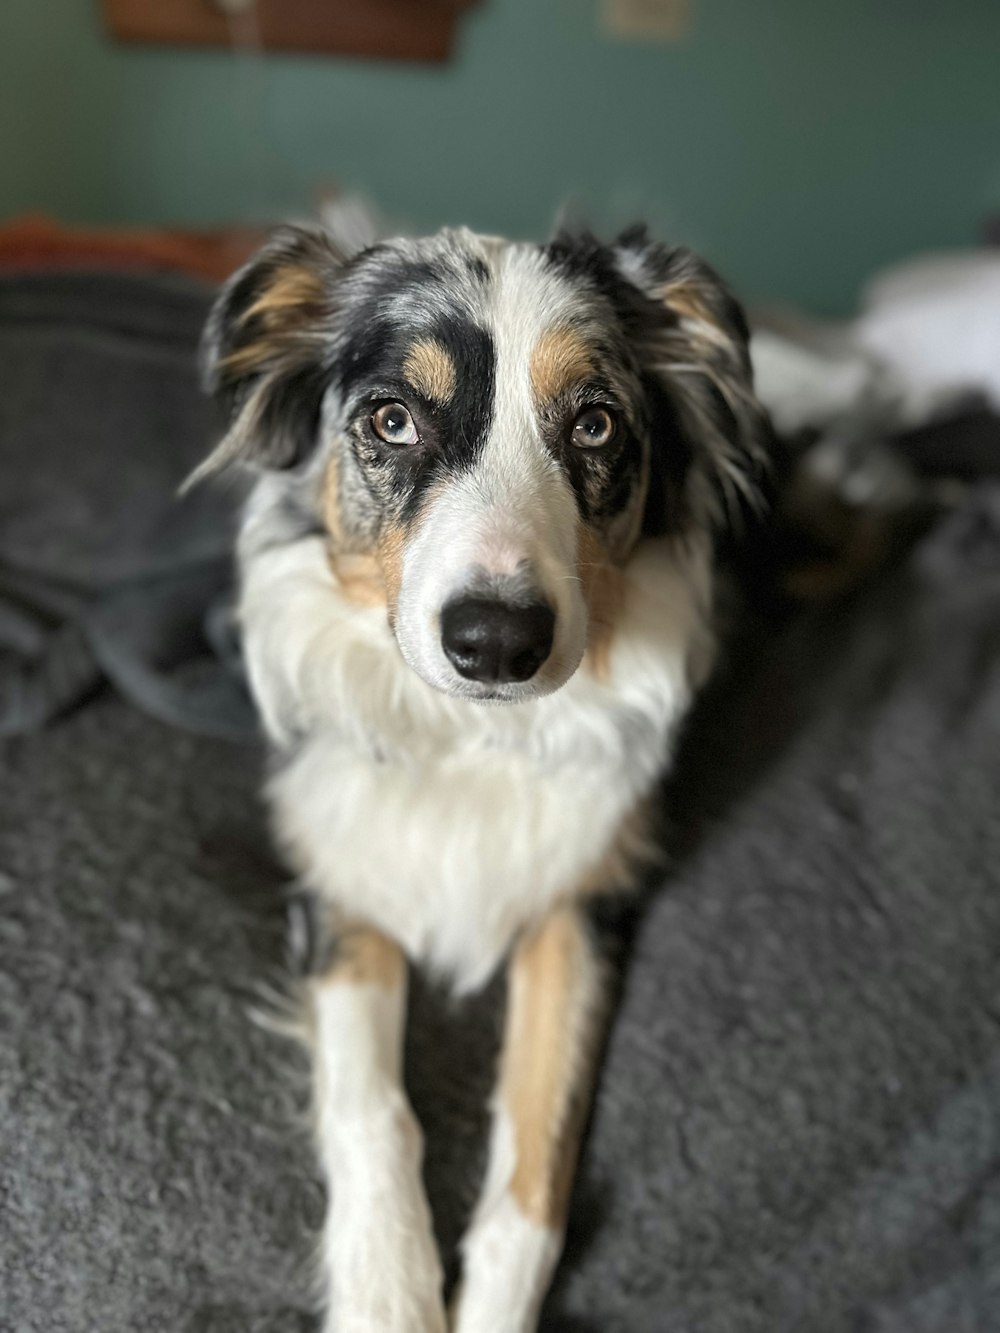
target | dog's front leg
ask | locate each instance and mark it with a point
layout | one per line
(381, 1268)
(554, 1022)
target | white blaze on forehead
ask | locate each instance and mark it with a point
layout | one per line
(527, 502)
(513, 512)
(519, 506)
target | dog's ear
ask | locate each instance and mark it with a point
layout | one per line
(692, 340)
(266, 351)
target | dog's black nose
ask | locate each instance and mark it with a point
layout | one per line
(495, 643)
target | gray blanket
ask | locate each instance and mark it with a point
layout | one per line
(103, 574)
(798, 1124)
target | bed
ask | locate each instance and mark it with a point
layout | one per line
(798, 1124)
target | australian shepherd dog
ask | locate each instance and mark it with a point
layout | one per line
(477, 571)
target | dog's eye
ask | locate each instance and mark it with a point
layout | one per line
(391, 422)
(594, 427)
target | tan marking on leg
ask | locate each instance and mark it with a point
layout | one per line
(554, 1021)
(604, 593)
(561, 358)
(431, 371)
(380, 1267)
(365, 955)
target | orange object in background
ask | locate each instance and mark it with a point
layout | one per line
(39, 242)
(386, 29)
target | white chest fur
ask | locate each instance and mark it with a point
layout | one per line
(452, 824)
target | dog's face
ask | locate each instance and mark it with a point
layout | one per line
(487, 429)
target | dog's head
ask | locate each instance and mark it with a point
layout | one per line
(487, 429)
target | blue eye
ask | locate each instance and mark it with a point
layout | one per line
(593, 428)
(392, 423)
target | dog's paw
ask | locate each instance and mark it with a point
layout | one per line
(389, 1281)
(508, 1264)
(385, 1311)
(391, 1289)
(383, 1272)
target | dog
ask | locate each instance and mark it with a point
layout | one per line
(477, 597)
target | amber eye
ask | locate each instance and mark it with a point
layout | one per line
(392, 422)
(594, 427)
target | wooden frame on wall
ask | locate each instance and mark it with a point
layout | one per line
(391, 29)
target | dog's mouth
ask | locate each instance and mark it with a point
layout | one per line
(484, 695)
(495, 694)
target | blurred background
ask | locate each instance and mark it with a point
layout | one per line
(800, 146)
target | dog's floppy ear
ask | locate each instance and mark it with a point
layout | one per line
(266, 351)
(692, 337)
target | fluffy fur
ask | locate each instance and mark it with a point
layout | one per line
(568, 427)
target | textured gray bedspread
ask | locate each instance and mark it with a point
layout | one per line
(103, 573)
(798, 1125)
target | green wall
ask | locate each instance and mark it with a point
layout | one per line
(799, 143)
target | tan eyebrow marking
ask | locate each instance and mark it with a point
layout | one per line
(431, 371)
(561, 358)
(366, 956)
